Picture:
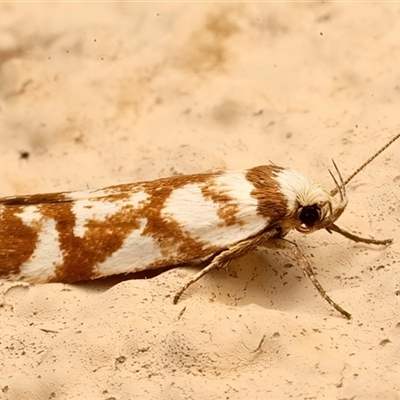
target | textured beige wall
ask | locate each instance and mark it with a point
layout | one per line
(102, 93)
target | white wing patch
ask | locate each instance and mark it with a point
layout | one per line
(46, 257)
(136, 251)
(30, 215)
(99, 209)
(191, 210)
(199, 215)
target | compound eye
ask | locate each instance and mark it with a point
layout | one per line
(309, 215)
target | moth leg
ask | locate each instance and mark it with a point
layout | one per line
(356, 238)
(306, 267)
(223, 259)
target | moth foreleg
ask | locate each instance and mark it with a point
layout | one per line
(355, 238)
(223, 259)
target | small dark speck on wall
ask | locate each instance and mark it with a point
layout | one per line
(24, 155)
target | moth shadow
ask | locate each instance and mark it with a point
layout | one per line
(268, 278)
(103, 284)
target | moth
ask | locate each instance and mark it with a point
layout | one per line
(206, 219)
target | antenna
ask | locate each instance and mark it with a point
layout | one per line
(334, 191)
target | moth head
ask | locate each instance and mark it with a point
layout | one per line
(310, 206)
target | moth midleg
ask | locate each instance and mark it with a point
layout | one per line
(306, 266)
(223, 259)
(307, 269)
(355, 238)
